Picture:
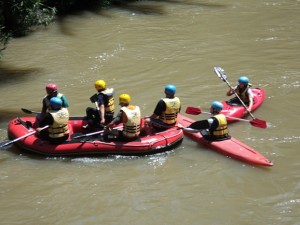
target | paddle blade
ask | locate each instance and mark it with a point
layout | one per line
(220, 72)
(193, 110)
(26, 111)
(199, 125)
(5, 143)
(29, 111)
(258, 123)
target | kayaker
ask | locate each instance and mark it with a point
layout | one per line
(104, 101)
(243, 90)
(165, 112)
(215, 127)
(57, 118)
(130, 116)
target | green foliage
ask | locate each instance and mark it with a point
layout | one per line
(69, 6)
(18, 17)
(3, 40)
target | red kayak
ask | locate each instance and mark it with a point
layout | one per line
(80, 141)
(238, 111)
(231, 147)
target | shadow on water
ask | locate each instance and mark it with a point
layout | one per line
(8, 115)
(103, 12)
(193, 3)
(133, 6)
(10, 72)
(137, 7)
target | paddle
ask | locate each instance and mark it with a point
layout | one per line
(34, 112)
(94, 133)
(29, 111)
(222, 75)
(5, 143)
(188, 129)
(255, 122)
(94, 99)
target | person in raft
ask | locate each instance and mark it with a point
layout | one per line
(243, 90)
(52, 91)
(215, 127)
(104, 111)
(165, 112)
(130, 116)
(57, 119)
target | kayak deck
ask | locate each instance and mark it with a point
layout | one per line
(239, 110)
(231, 147)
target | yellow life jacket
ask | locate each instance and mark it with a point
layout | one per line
(47, 100)
(110, 105)
(172, 109)
(222, 129)
(59, 128)
(243, 95)
(132, 122)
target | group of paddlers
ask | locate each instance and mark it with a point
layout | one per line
(55, 113)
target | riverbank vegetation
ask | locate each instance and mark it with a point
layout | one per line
(20, 17)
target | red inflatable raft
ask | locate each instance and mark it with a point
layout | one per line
(231, 147)
(158, 142)
(238, 111)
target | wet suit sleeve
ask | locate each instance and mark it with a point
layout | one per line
(214, 125)
(65, 102)
(160, 107)
(48, 120)
(119, 118)
(44, 108)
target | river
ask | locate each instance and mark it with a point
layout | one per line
(138, 49)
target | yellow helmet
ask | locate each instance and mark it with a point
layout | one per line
(100, 85)
(124, 99)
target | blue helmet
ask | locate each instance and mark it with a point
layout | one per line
(218, 106)
(170, 89)
(55, 103)
(243, 80)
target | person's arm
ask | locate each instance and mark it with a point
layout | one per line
(153, 116)
(117, 120)
(102, 114)
(65, 102)
(230, 92)
(250, 96)
(47, 120)
(160, 107)
(100, 103)
(44, 108)
(213, 123)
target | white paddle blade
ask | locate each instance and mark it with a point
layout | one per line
(220, 72)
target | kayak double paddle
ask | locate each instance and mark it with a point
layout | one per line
(255, 122)
(223, 76)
